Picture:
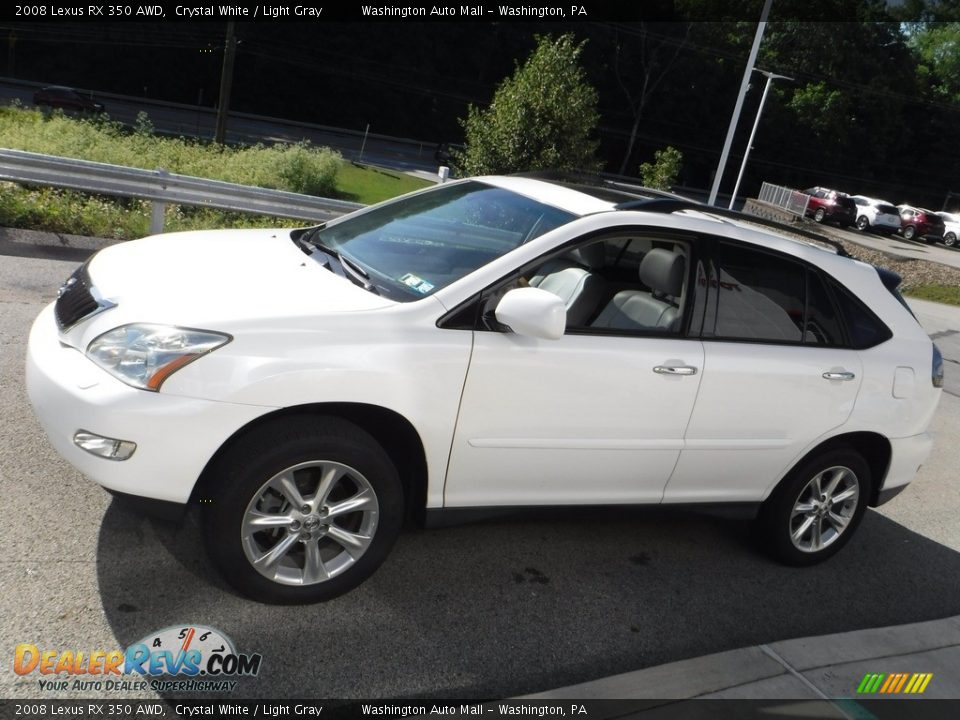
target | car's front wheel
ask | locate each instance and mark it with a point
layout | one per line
(909, 232)
(816, 509)
(302, 510)
(950, 239)
(863, 224)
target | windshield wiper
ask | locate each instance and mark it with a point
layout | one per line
(357, 273)
(349, 268)
(302, 237)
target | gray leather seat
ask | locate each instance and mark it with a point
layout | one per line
(570, 278)
(662, 271)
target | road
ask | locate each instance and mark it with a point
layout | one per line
(486, 610)
(188, 121)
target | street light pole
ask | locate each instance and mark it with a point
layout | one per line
(746, 153)
(745, 83)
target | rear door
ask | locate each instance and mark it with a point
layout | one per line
(777, 375)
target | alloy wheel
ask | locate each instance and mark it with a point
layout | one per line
(309, 523)
(823, 510)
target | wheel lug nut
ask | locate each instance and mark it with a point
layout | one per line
(295, 525)
(305, 508)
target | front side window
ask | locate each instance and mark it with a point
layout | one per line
(623, 283)
(417, 245)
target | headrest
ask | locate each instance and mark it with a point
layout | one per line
(593, 255)
(662, 271)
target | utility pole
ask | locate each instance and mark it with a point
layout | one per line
(744, 86)
(226, 82)
(11, 54)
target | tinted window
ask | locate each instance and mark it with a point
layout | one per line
(763, 296)
(822, 326)
(863, 327)
(759, 296)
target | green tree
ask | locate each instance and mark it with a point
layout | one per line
(937, 46)
(542, 117)
(662, 174)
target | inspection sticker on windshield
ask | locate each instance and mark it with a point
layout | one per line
(417, 283)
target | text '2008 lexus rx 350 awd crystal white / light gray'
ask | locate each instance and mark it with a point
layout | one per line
(493, 342)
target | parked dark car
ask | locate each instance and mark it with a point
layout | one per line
(64, 98)
(920, 223)
(828, 205)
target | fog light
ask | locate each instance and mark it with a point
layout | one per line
(103, 446)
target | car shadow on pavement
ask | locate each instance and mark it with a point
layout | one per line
(522, 605)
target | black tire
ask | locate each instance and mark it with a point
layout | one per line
(778, 521)
(950, 239)
(909, 232)
(863, 224)
(820, 215)
(304, 448)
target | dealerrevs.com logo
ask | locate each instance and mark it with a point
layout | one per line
(190, 658)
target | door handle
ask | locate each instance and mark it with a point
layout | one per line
(675, 370)
(839, 375)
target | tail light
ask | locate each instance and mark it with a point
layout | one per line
(937, 374)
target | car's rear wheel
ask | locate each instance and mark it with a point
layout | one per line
(302, 510)
(816, 509)
(819, 215)
(909, 232)
(863, 223)
(950, 239)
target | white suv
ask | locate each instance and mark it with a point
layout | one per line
(951, 227)
(501, 341)
(878, 216)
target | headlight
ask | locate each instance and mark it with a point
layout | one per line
(145, 355)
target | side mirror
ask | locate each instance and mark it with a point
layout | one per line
(533, 312)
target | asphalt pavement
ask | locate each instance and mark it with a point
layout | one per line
(507, 608)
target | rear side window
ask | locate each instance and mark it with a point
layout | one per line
(758, 296)
(762, 296)
(822, 325)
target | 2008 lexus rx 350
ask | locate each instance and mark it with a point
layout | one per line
(500, 341)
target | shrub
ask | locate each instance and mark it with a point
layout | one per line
(542, 117)
(662, 174)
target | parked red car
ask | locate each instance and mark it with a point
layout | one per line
(918, 222)
(828, 205)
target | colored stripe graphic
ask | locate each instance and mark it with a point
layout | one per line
(894, 683)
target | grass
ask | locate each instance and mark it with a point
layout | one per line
(369, 185)
(948, 294)
(298, 168)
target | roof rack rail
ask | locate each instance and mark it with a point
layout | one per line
(670, 205)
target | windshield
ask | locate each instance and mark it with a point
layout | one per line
(415, 246)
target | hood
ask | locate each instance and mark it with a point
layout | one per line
(216, 280)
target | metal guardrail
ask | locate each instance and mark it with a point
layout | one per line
(162, 187)
(789, 199)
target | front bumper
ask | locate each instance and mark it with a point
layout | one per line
(175, 436)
